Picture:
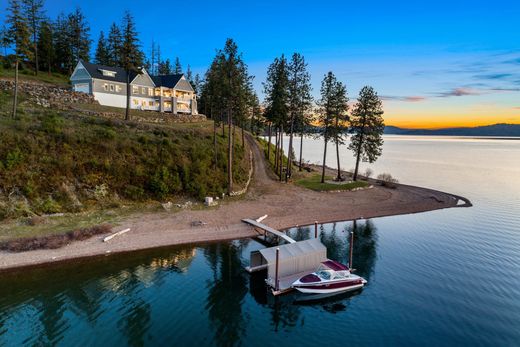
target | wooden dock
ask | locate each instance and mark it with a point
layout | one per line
(268, 229)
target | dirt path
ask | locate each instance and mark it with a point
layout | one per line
(286, 205)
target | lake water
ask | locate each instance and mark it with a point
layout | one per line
(449, 277)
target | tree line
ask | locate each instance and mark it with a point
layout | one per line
(289, 109)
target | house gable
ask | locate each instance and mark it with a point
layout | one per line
(80, 73)
(143, 80)
(183, 85)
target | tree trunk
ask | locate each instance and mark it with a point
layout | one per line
(269, 144)
(301, 150)
(358, 154)
(230, 154)
(215, 144)
(289, 154)
(127, 113)
(324, 158)
(223, 127)
(15, 95)
(338, 178)
(281, 152)
(36, 65)
(242, 130)
(276, 151)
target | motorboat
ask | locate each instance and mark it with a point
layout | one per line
(330, 277)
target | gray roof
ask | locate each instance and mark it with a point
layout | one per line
(94, 71)
(172, 81)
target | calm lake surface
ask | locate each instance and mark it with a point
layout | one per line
(449, 277)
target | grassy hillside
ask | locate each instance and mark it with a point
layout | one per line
(54, 161)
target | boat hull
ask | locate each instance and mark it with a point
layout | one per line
(328, 289)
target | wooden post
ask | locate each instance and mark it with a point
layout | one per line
(351, 249)
(316, 229)
(276, 286)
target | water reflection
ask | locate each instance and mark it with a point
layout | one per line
(226, 292)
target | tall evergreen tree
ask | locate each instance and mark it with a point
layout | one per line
(132, 56)
(62, 44)
(4, 39)
(276, 89)
(19, 36)
(328, 108)
(79, 38)
(102, 51)
(115, 46)
(367, 127)
(46, 46)
(165, 67)
(34, 13)
(300, 100)
(197, 84)
(340, 126)
(178, 67)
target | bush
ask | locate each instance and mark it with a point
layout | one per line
(368, 172)
(52, 124)
(49, 206)
(134, 193)
(386, 180)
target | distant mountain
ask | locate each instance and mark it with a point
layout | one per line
(502, 129)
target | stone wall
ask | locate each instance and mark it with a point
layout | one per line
(47, 95)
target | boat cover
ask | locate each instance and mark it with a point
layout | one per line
(295, 257)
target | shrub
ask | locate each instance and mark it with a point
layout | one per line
(52, 124)
(386, 180)
(134, 193)
(13, 158)
(368, 172)
(49, 205)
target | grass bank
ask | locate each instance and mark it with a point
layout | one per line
(314, 182)
(59, 161)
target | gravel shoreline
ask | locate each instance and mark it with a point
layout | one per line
(286, 205)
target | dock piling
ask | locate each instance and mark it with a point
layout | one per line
(276, 283)
(316, 229)
(351, 250)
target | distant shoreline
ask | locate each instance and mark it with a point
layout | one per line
(286, 205)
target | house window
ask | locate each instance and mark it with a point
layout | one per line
(143, 90)
(136, 102)
(111, 87)
(135, 89)
(118, 88)
(150, 103)
(105, 87)
(150, 91)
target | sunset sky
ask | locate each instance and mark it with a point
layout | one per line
(436, 63)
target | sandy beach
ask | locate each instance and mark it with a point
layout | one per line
(286, 205)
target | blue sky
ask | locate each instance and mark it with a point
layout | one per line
(436, 63)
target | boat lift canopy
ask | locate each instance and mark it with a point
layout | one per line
(293, 258)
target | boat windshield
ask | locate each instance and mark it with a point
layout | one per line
(323, 274)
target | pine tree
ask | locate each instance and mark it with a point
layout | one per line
(367, 127)
(189, 75)
(329, 106)
(178, 67)
(62, 45)
(18, 34)
(102, 52)
(115, 46)
(131, 54)
(340, 125)
(197, 84)
(4, 39)
(34, 13)
(79, 36)
(165, 67)
(300, 101)
(46, 45)
(276, 89)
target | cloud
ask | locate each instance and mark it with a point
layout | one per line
(413, 98)
(516, 108)
(495, 76)
(506, 89)
(459, 92)
(514, 61)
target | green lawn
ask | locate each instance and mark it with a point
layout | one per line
(54, 78)
(314, 182)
